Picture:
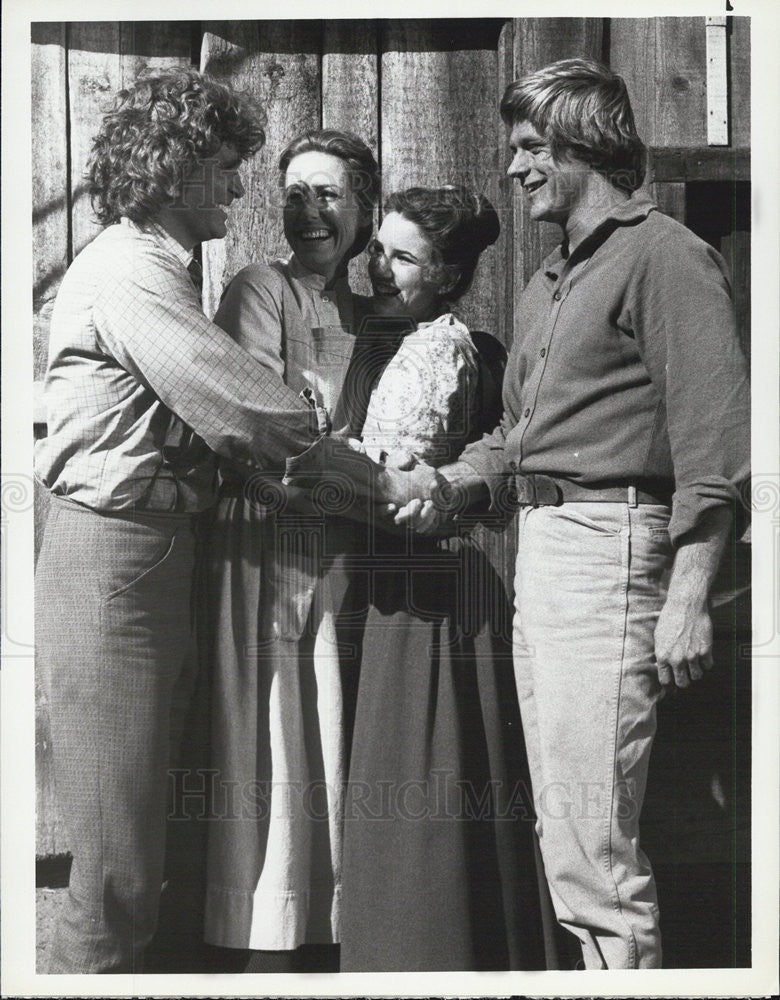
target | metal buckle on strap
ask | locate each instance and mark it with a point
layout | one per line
(536, 490)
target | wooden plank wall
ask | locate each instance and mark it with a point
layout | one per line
(663, 62)
(424, 95)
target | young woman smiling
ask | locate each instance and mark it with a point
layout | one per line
(278, 731)
(438, 873)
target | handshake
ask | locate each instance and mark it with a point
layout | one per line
(402, 489)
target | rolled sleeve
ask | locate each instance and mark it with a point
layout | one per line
(684, 323)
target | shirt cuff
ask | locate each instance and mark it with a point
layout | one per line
(691, 503)
(489, 465)
(308, 465)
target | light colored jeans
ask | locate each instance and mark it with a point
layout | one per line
(591, 580)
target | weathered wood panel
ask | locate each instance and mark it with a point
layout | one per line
(279, 62)
(439, 123)
(49, 179)
(94, 76)
(683, 165)
(50, 194)
(350, 99)
(663, 61)
(508, 282)
(738, 38)
(103, 57)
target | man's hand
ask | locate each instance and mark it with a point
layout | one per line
(683, 633)
(400, 486)
(683, 643)
(421, 516)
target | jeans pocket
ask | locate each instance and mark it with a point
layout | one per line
(605, 526)
(158, 560)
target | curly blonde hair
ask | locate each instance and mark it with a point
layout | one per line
(157, 130)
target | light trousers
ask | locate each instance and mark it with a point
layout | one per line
(114, 646)
(591, 580)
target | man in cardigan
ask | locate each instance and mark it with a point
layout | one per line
(625, 432)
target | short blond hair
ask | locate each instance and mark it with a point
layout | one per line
(582, 108)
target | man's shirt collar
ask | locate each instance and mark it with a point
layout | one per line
(162, 238)
(633, 209)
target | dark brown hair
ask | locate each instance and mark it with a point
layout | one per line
(458, 224)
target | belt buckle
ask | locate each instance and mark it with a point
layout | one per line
(537, 490)
(546, 492)
(525, 490)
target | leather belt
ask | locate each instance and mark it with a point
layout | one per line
(538, 490)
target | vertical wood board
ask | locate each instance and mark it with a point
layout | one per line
(279, 64)
(663, 61)
(94, 76)
(49, 180)
(717, 84)
(439, 125)
(738, 40)
(350, 99)
(508, 283)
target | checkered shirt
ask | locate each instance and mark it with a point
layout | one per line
(135, 367)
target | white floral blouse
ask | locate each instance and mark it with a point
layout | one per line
(423, 405)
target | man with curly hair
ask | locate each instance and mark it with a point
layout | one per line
(141, 391)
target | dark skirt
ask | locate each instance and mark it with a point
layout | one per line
(438, 868)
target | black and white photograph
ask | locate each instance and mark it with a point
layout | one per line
(390, 500)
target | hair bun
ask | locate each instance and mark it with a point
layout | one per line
(486, 223)
(478, 220)
(458, 223)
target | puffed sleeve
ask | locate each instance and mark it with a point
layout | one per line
(423, 403)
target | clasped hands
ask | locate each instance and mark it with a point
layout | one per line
(408, 485)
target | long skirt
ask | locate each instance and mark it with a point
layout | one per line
(438, 870)
(279, 728)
